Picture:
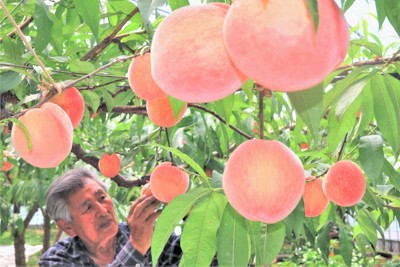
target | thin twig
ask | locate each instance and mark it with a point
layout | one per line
(21, 27)
(261, 113)
(222, 120)
(21, 35)
(108, 40)
(169, 145)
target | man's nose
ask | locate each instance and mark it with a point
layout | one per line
(101, 209)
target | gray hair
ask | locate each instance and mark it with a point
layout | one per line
(65, 185)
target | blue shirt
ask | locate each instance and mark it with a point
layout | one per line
(72, 252)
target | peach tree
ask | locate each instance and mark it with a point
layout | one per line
(298, 75)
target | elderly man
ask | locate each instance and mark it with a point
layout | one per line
(79, 204)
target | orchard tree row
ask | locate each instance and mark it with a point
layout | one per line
(262, 125)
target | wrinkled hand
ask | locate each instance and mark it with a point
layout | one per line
(141, 218)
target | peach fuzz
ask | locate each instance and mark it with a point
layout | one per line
(160, 112)
(168, 181)
(188, 56)
(141, 80)
(50, 131)
(263, 180)
(274, 42)
(314, 198)
(344, 183)
(71, 101)
(109, 165)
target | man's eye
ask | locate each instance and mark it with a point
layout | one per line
(102, 198)
(88, 207)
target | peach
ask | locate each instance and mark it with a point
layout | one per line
(50, 131)
(109, 165)
(344, 183)
(314, 198)
(168, 181)
(141, 80)
(71, 101)
(160, 112)
(7, 166)
(274, 42)
(188, 56)
(263, 180)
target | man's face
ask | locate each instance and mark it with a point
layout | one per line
(92, 213)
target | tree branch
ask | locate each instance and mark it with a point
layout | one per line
(108, 40)
(30, 215)
(21, 27)
(94, 161)
(222, 120)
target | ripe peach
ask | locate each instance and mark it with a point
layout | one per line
(71, 101)
(274, 42)
(263, 180)
(188, 56)
(50, 131)
(315, 200)
(344, 183)
(140, 79)
(110, 165)
(160, 112)
(168, 181)
(7, 166)
(146, 190)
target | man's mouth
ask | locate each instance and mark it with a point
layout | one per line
(106, 223)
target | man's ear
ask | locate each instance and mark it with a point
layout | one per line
(66, 226)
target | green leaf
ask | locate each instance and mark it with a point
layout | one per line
(337, 129)
(89, 10)
(81, 66)
(368, 225)
(44, 26)
(295, 220)
(308, 105)
(224, 106)
(392, 10)
(175, 4)
(9, 80)
(347, 5)
(171, 216)
(18, 123)
(177, 106)
(380, 11)
(270, 242)
(312, 6)
(323, 241)
(188, 160)
(392, 86)
(349, 96)
(199, 235)
(247, 88)
(92, 99)
(346, 245)
(385, 112)
(371, 157)
(393, 175)
(233, 243)
(373, 47)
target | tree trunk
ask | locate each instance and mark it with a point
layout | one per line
(19, 237)
(46, 230)
(19, 243)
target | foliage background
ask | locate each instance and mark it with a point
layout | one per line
(354, 114)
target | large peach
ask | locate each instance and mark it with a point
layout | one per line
(71, 101)
(314, 198)
(274, 42)
(141, 80)
(50, 131)
(168, 181)
(188, 56)
(344, 183)
(109, 165)
(160, 112)
(263, 180)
